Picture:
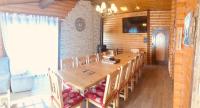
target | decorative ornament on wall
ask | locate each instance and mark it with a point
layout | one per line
(80, 24)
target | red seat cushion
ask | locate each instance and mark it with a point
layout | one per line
(71, 98)
(96, 94)
(67, 85)
(103, 82)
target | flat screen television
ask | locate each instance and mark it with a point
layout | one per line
(135, 24)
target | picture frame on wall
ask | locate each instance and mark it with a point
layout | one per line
(193, 30)
(189, 24)
(179, 35)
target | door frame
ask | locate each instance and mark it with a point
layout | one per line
(195, 89)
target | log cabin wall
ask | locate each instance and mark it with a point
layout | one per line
(115, 38)
(172, 40)
(159, 20)
(183, 58)
(195, 102)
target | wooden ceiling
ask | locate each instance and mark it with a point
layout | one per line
(156, 5)
(42, 3)
(58, 8)
(12, 5)
(10, 2)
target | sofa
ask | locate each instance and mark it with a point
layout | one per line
(17, 82)
(4, 75)
(22, 82)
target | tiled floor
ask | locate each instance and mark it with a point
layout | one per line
(37, 98)
(154, 90)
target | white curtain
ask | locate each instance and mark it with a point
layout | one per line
(30, 41)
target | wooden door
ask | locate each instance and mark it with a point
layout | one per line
(160, 47)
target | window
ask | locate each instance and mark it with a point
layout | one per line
(30, 41)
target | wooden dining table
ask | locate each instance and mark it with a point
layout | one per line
(89, 75)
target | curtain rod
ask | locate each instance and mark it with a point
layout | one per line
(60, 19)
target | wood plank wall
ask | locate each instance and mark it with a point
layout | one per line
(58, 8)
(196, 74)
(172, 40)
(184, 58)
(115, 38)
(158, 20)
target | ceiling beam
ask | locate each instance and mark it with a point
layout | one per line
(13, 2)
(45, 3)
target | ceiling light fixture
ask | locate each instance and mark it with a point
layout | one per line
(137, 6)
(124, 8)
(106, 8)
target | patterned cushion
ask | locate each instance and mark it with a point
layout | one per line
(96, 94)
(103, 82)
(67, 86)
(71, 98)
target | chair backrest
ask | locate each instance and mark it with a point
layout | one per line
(99, 56)
(134, 50)
(111, 52)
(140, 60)
(122, 75)
(56, 89)
(120, 50)
(68, 63)
(132, 68)
(111, 87)
(143, 58)
(92, 58)
(137, 63)
(128, 70)
(81, 61)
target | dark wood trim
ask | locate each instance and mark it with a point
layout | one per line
(101, 30)
(149, 38)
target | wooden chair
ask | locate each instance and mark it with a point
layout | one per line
(143, 58)
(123, 82)
(92, 58)
(119, 51)
(63, 98)
(135, 50)
(100, 56)
(103, 96)
(5, 100)
(67, 63)
(140, 64)
(131, 78)
(137, 69)
(111, 52)
(81, 61)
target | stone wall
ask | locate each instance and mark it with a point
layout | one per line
(75, 43)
